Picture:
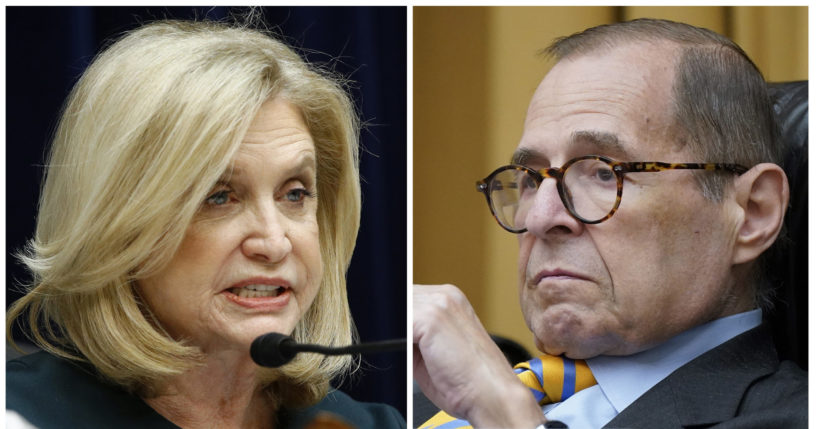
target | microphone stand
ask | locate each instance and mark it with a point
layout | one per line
(275, 349)
(375, 346)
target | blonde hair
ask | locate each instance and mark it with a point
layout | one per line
(144, 135)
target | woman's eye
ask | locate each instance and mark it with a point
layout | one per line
(219, 198)
(297, 195)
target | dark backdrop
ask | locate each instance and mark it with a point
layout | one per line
(47, 49)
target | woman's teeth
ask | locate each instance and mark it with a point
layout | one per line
(257, 291)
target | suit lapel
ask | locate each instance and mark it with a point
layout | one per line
(707, 390)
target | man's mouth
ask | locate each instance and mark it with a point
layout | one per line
(257, 291)
(557, 274)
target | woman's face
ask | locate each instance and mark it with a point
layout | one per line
(250, 262)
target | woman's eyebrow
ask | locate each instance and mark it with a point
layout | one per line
(232, 172)
(306, 161)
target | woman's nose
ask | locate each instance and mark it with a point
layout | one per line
(267, 239)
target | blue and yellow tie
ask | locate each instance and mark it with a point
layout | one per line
(549, 378)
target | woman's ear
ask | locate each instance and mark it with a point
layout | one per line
(763, 193)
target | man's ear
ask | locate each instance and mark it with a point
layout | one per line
(763, 194)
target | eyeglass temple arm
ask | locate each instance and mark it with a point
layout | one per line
(635, 167)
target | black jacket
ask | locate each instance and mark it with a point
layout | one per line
(51, 392)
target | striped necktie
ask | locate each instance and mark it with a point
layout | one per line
(549, 378)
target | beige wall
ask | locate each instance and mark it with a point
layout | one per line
(475, 69)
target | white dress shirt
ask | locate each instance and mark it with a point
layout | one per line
(623, 379)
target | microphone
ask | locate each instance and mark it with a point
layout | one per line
(273, 349)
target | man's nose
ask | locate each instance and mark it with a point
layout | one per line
(267, 239)
(548, 214)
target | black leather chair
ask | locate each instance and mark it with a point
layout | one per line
(788, 265)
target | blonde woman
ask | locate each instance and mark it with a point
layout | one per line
(202, 190)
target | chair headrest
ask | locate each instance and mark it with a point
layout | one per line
(789, 318)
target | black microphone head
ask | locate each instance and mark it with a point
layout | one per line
(272, 350)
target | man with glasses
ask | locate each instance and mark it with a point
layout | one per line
(643, 191)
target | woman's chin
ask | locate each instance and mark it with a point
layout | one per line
(238, 335)
(258, 328)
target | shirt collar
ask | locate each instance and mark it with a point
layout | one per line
(623, 379)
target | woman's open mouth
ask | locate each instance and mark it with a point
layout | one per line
(260, 293)
(257, 291)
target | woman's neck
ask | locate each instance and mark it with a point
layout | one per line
(223, 393)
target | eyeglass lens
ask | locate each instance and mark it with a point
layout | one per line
(589, 191)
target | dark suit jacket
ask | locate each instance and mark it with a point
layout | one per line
(51, 392)
(740, 384)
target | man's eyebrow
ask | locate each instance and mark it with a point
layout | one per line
(524, 156)
(604, 142)
(590, 141)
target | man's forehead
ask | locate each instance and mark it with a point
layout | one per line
(614, 101)
(632, 68)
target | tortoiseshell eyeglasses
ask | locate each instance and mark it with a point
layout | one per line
(589, 186)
